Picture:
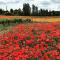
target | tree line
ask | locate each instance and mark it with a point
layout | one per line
(28, 11)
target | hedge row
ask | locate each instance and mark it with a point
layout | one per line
(4, 21)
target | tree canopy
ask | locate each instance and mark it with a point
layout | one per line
(30, 11)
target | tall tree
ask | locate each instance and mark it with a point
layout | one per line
(34, 10)
(26, 9)
(11, 11)
(1, 11)
(15, 12)
(20, 12)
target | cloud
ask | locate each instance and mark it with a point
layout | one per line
(56, 1)
(45, 4)
(8, 1)
(2, 3)
(13, 2)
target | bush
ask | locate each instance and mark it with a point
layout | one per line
(27, 21)
(8, 21)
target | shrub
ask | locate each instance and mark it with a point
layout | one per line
(7, 21)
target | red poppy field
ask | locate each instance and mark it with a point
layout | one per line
(32, 41)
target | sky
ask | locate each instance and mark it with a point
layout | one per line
(42, 4)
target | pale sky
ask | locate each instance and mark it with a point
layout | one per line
(44, 4)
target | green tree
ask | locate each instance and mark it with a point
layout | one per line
(20, 12)
(34, 10)
(26, 9)
(15, 12)
(1, 11)
(11, 11)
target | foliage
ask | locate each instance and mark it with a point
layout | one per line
(8, 21)
(28, 11)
